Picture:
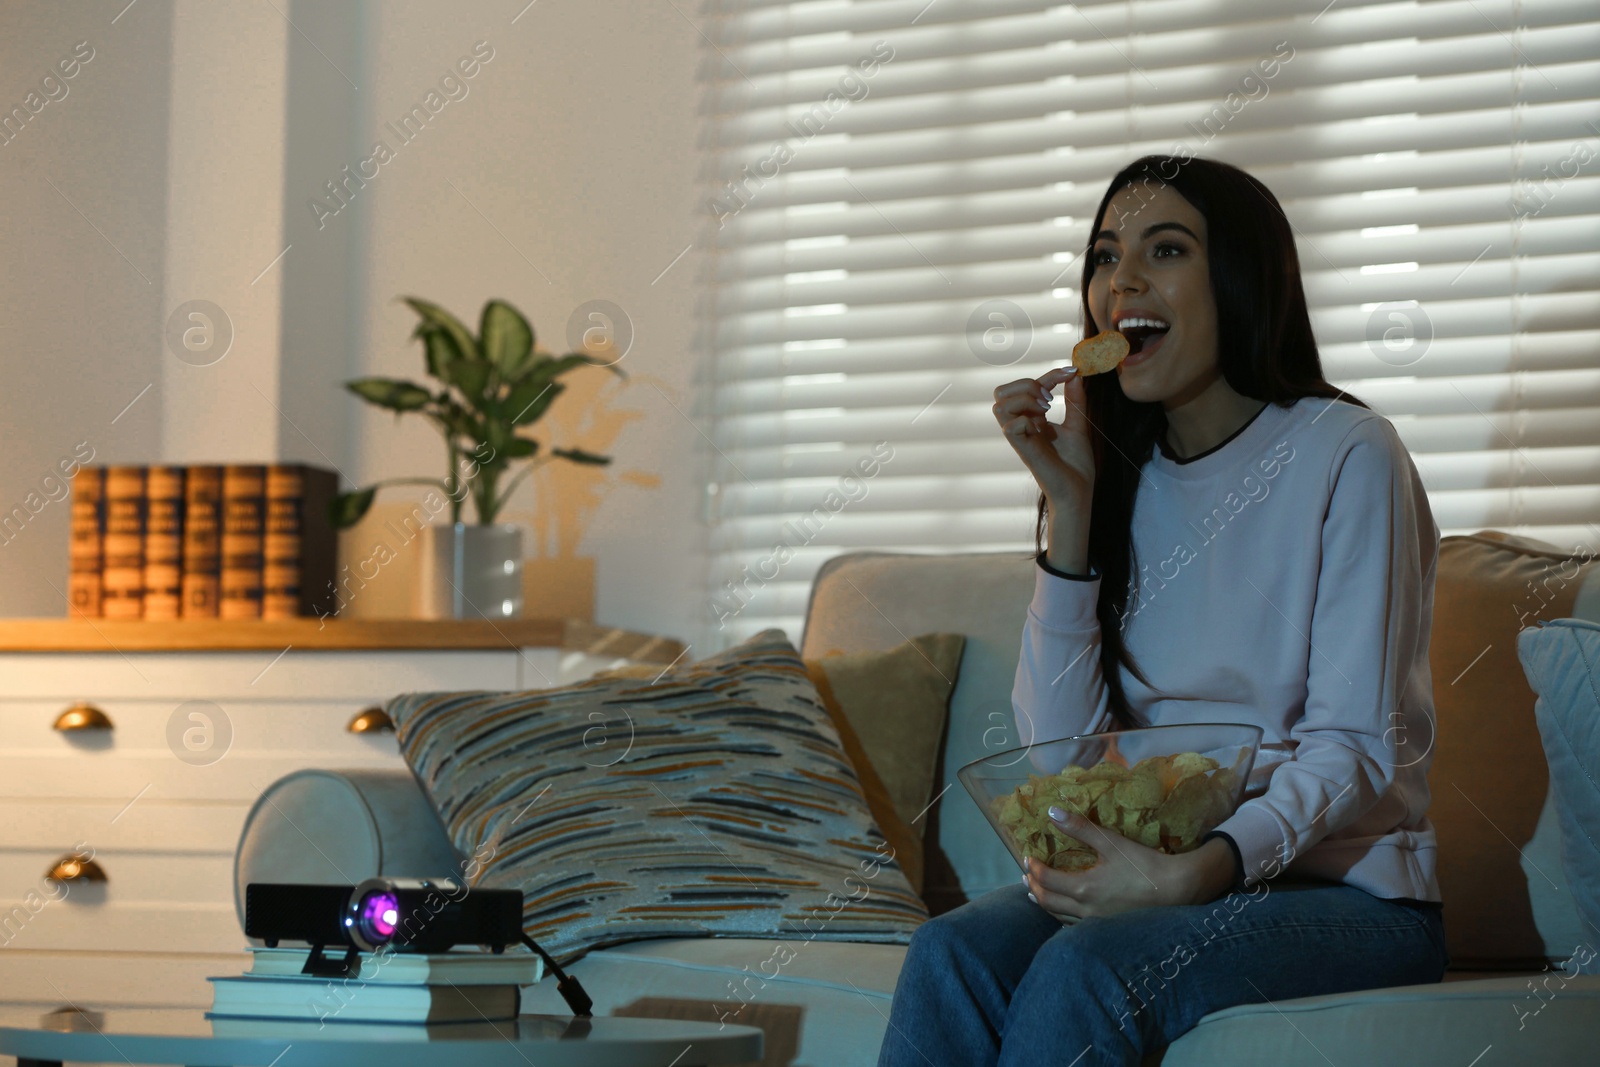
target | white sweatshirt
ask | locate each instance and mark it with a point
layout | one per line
(1283, 578)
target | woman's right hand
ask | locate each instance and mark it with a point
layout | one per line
(1057, 454)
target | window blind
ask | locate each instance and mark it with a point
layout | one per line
(899, 194)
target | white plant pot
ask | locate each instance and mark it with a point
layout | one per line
(470, 572)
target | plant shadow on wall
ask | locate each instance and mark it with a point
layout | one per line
(566, 496)
(486, 395)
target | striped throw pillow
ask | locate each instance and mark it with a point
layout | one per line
(716, 801)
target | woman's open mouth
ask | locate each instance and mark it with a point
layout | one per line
(1144, 340)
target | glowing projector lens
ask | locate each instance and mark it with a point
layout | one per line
(378, 917)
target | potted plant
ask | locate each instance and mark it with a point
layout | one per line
(487, 389)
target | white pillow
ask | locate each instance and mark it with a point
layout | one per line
(1562, 662)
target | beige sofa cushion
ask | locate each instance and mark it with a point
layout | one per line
(1449, 1023)
(1506, 900)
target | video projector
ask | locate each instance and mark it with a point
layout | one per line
(403, 914)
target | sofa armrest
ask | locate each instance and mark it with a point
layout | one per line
(334, 827)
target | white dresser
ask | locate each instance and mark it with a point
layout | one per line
(202, 717)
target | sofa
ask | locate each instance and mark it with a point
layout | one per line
(1511, 922)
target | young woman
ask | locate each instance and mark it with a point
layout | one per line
(1230, 539)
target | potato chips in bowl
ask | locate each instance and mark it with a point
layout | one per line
(1165, 787)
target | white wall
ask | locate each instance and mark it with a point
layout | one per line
(83, 189)
(225, 149)
(566, 174)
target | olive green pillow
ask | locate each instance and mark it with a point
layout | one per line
(898, 702)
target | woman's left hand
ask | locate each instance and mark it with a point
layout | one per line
(1128, 875)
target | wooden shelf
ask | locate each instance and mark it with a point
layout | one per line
(215, 635)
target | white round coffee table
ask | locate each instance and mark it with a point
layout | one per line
(136, 1035)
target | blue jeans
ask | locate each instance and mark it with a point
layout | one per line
(1001, 981)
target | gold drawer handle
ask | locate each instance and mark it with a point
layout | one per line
(371, 720)
(82, 716)
(76, 868)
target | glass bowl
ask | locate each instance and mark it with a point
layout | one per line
(1140, 811)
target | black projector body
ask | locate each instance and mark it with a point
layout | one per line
(406, 914)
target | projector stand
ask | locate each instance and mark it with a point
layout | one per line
(327, 967)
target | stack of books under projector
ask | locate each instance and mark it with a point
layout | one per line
(395, 987)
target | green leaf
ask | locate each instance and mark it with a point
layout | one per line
(527, 402)
(538, 367)
(515, 371)
(578, 455)
(507, 338)
(471, 377)
(391, 393)
(436, 316)
(521, 447)
(346, 509)
(442, 349)
(496, 434)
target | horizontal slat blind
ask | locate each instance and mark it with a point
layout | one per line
(879, 170)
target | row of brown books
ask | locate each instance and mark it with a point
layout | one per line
(202, 542)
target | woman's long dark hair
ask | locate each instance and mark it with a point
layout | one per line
(1265, 350)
